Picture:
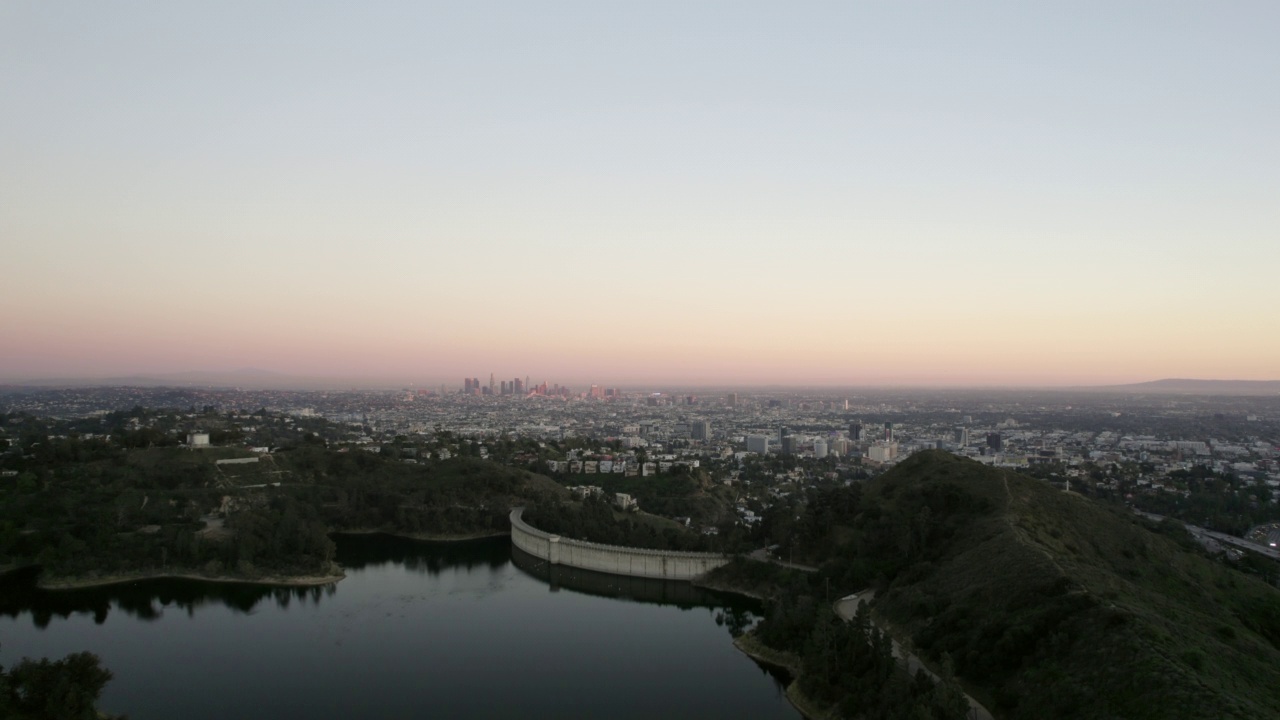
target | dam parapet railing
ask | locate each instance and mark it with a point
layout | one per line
(616, 559)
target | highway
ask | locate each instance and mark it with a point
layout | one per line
(1223, 538)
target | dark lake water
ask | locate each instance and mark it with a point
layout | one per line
(416, 630)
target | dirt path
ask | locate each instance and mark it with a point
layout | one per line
(847, 607)
(1021, 536)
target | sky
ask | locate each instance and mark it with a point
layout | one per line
(843, 193)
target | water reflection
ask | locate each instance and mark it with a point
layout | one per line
(734, 612)
(416, 628)
(356, 552)
(143, 599)
(148, 599)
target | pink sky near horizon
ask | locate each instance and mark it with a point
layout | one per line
(93, 348)
(836, 194)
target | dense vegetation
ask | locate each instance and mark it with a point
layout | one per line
(680, 493)
(1045, 603)
(84, 508)
(595, 520)
(843, 669)
(44, 689)
(1225, 503)
(850, 665)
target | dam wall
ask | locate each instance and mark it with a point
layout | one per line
(637, 562)
(681, 593)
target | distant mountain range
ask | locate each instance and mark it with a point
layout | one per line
(1181, 386)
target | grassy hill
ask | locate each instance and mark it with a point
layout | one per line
(1051, 605)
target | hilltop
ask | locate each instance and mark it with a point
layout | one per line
(1050, 605)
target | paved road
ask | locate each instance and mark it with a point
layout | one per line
(847, 607)
(763, 556)
(1231, 540)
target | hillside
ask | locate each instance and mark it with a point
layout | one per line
(1050, 605)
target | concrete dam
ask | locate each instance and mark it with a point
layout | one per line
(680, 593)
(637, 562)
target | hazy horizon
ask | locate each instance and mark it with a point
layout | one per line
(258, 379)
(728, 194)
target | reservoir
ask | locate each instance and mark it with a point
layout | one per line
(452, 630)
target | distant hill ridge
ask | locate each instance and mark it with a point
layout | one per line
(1183, 386)
(1059, 606)
(257, 379)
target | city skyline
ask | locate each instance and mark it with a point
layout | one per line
(728, 194)
(603, 388)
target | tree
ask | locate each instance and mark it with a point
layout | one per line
(65, 689)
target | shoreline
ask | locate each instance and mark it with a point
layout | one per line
(272, 580)
(424, 537)
(59, 583)
(701, 583)
(765, 655)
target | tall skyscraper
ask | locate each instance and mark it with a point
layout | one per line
(700, 430)
(888, 432)
(791, 445)
(490, 383)
(855, 432)
(758, 444)
(731, 399)
(962, 436)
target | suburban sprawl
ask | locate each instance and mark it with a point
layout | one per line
(1208, 460)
